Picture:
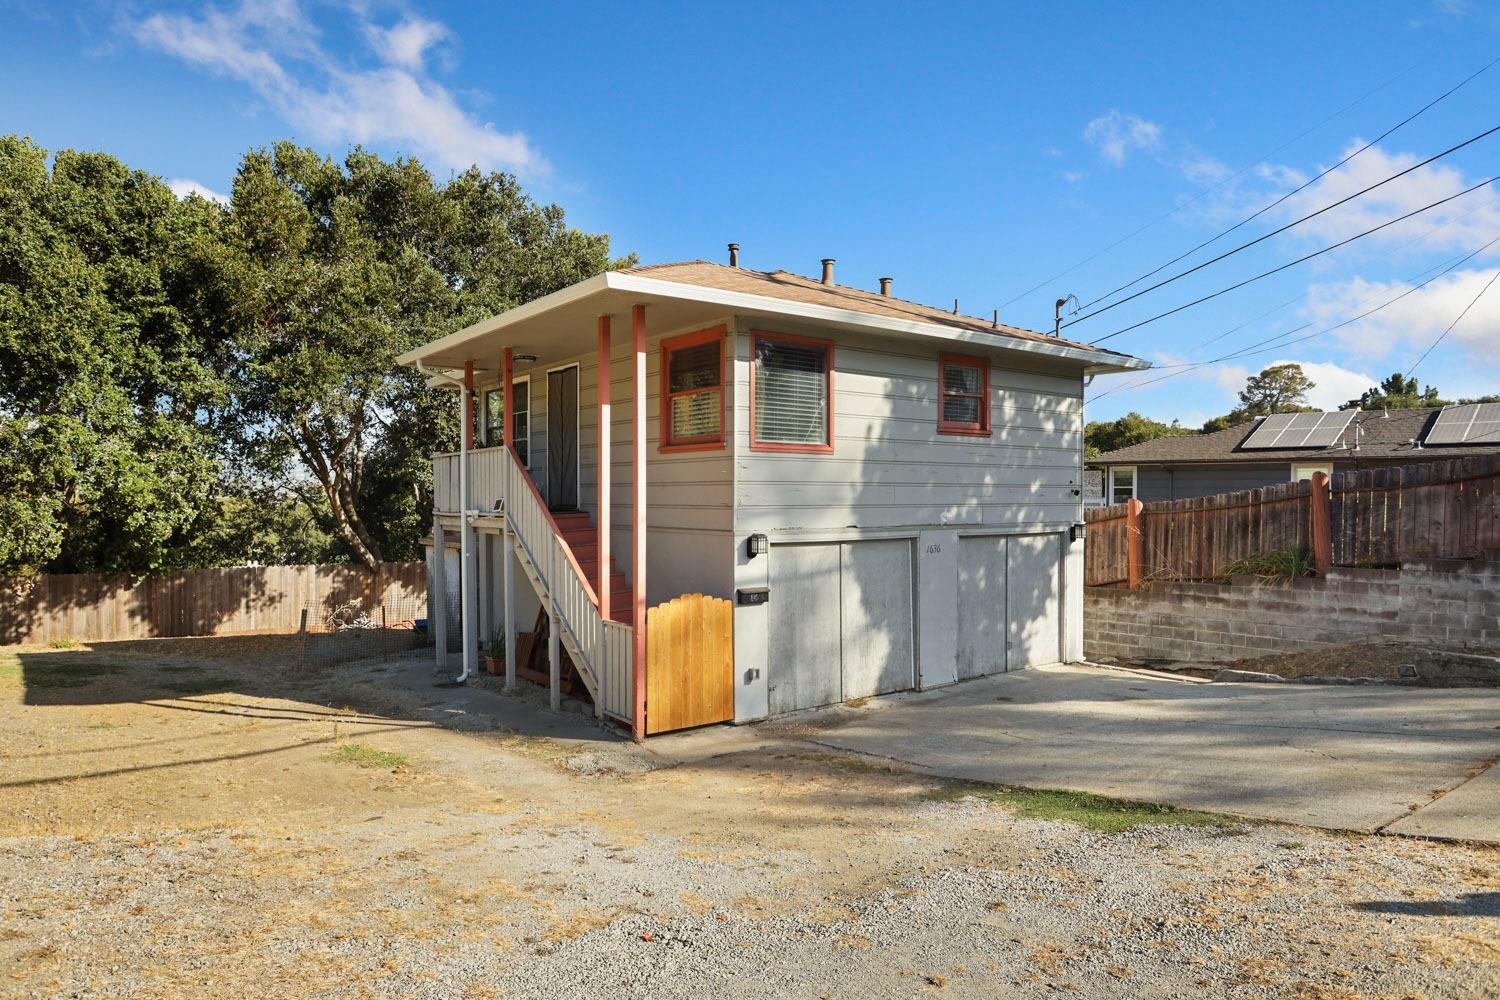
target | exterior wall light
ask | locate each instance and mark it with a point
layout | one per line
(1075, 533)
(757, 545)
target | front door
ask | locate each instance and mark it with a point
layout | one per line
(562, 439)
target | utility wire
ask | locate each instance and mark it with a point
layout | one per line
(1249, 351)
(1276, 232)
(1443, 336)
(1298, 297)
(1209, 190)
(1302, 187)
(1300, 260)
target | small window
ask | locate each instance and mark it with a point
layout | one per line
(692, 391)
(1121, 483)
(965, 390)
(1301, 472)
(791, 396)
(493, 417)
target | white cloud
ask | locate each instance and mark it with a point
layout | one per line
(1073, 176)
(1333, 385)
(1465, 222)
(1406, 328)
(274, 49)
(184, 186)
(1116, 134)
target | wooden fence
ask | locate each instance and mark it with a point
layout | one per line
(37, 610)
(1359, 517)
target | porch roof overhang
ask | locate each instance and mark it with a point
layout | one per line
(562, 325)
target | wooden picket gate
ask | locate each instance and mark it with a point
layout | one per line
(689, 663)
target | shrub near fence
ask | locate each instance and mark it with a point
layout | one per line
(36, 610)
(1365, 517)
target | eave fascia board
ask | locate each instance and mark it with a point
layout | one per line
(1099, 361)
(521, 313)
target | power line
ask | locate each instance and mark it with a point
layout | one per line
(1298, 297)
(1299, 260)
(1209, 190)
(1249, 350)
(1304, 186)
(1276, 232)
(1443, 336)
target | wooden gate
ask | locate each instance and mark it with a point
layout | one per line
(689, 663)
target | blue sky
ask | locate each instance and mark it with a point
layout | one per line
(971, 151)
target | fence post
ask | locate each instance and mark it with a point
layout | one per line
(1322, 524)
(302, 643)
(1135, 543)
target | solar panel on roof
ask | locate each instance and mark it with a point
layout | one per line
(1473, 423)
(1299, 430)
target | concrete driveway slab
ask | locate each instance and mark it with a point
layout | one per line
(1341, 757)
(1469, 812)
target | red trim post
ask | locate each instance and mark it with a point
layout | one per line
(638, 521)
(468, 407)
(1135, 543)
(602, 461)
(1322, 524)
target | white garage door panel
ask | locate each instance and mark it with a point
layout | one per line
(982, 610)
(876, 592)
(805, 664)
(1032, 596)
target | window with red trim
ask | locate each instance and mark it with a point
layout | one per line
(964, 385)
(791, 393)
(692, 390)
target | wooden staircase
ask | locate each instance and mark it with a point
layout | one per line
(582, 538)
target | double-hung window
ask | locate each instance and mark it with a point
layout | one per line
(964, 386)
(493, 417)
(1121, 483)
(692, 391)
(791, 393)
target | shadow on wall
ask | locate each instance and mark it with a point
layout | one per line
(39, 610)
(1025, 470)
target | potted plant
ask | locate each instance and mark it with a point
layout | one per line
(494, 653)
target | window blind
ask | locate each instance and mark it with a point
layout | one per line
(791, 393)
(963, 393)
(695, 391)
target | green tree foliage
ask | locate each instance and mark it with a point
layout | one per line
(111, 343)
(1277, 389)
(183, 383)
(1108, 435)
(1396, 392)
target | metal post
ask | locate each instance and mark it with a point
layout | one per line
(437, 615)
(302, 644)
(507, 575)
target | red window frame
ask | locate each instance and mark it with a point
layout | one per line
(703, 442)
(756, 336)
(982, 428)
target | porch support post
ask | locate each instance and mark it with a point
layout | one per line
(468, 561)
(638, 523)
(554, 656)
(603, 457)
(508, 555)
(437, 615)
(507, 575)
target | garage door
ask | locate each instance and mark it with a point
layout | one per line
(841, 623)
(1033, 563)
(982, 611)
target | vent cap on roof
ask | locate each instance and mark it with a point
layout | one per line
(828, 263)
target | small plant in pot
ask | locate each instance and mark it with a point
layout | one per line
(494, 653)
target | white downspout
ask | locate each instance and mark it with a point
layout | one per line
(465, 547)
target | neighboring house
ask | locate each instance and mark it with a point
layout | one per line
(1251, 455)
(889, 493)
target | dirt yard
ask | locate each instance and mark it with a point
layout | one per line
(188, 819)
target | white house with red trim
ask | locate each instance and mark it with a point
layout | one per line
(889, 493)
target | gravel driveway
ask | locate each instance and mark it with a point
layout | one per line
(216, 842)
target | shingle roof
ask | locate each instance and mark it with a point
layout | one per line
(1381, 434)
(796, 288)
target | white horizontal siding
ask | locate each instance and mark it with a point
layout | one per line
(890, 466)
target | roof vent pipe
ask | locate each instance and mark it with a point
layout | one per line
(885, 287)
(828, 270)
(734, 255)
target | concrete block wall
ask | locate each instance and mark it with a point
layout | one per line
(1454, 603)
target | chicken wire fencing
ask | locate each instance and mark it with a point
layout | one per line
(357, 630)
